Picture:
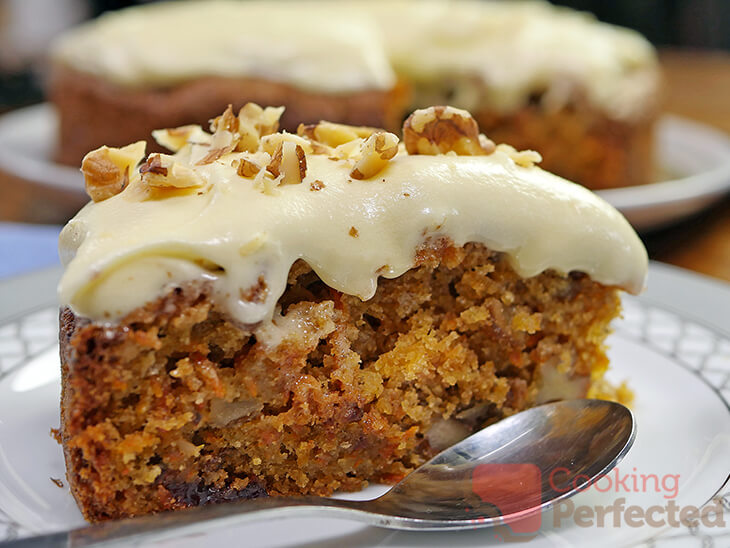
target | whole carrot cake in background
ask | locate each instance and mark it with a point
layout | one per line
(262, 312)
(118, 78)
(580, 92)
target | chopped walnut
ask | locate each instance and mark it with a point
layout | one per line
(266, 183)
(243, 132)
(523, 158)
(315, 146)
(348, 150)
(439, 130)
(270, 143)
(289, 162)
(265, 120)
(247, 168)
(226, 121)
(376, 151)
(334, 135)
(106, 170)
(316, 185)
(154, 165)
(162, 171)
(254, 123)
(222, 143)
(176, 138)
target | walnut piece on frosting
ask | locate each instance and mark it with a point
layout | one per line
(376, 151)
(225, 122)
(106, 170)
(264, 120)
(351, 150)
(272, 159)
(253, 123)
(247, 168)
(289, 163)
(175, 138)
(162, 171)
(334, 135)
(222, 143)
(523, 158)
(443, 129)
(270, 143)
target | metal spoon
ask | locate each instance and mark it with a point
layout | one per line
(510, 470)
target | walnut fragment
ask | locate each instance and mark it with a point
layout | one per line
(442, 129)
(289, 163)
(162, 171)
(106, 170)
(376, 151)
(247, 168)
(523, 158)
(334, 135)
(253, 123)
(176, 138)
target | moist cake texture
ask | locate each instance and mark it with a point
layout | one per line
(580, 92)
(265, 313)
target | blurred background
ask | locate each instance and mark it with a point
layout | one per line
(693, 38)
(27, 26)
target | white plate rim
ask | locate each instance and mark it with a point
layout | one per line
(715, 180)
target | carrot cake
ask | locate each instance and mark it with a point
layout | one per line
(267, 313)
(580, 92)
(118, 78)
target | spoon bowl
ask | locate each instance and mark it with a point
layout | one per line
(519, 466)
(508, 471)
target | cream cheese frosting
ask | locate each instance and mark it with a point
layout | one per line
(517, 48)
(171, 42)
(490, 53)
(243, 233)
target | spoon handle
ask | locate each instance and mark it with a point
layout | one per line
(195, 520)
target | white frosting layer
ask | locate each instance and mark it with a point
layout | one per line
(515, 48)
(129, 249)
(172, 42)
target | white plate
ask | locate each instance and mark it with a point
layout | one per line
(696, 156)
(678, 366)
(695, 159)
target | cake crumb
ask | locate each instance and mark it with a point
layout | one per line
(57, 482)
(316, 185)
(256, 293)
(353, 232)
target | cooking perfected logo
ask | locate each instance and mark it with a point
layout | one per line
(509, 487)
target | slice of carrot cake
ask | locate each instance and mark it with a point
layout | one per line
(262, 312)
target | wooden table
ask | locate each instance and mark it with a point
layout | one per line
(697, 87)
